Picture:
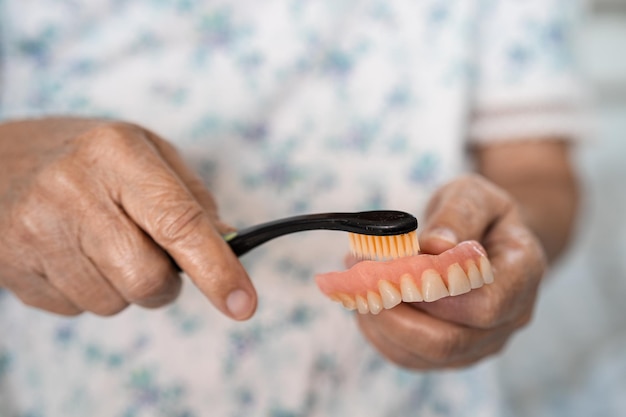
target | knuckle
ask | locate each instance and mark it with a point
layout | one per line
(57, 175)
(466, 207)
(491, 313)
(403, 360)
(109, 140)
(139, 290)
(489, 319)
(89, 294)
(141, 272)
(165, 297)
(41, 211)
(512, 306)
(50, 305)
(446, 347)
(108, 308)
(20, 249)
(118, 247)
(113, 133)
(59, 182)
(178, 225)
(28, 224)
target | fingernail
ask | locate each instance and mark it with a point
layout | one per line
(444, 234)
(239, 303)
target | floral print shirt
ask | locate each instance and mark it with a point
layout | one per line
(284, 107)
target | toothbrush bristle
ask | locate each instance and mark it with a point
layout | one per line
(383, 248)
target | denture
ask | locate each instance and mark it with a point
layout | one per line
(371, 286)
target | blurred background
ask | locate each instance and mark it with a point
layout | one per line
(571, 361)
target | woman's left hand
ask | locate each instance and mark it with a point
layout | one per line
(459, 331)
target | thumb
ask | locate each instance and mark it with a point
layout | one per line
(464, 209)
(437, 238)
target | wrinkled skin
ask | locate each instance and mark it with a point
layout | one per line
(457, 331)
(97, 215)
(522, 229)
(92, 214)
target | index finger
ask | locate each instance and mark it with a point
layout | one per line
(158, 201)
(423, 341)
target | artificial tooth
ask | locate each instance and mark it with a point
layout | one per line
(433, 287)
(389, 294)
(458, 282)
(374, 302)
(347, 301)
(486, 271)
(409, 290)
(361, 305)
(476, 280)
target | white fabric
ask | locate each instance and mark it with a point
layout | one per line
(283, 107)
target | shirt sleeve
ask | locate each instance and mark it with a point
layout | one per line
(527, 81)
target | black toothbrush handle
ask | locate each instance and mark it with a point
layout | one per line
(375, 223)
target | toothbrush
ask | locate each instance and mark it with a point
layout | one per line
(378, 235)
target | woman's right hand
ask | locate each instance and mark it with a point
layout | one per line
(93, 212)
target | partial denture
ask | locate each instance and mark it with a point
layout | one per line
(370, 287)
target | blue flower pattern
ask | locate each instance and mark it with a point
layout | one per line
(283, 107)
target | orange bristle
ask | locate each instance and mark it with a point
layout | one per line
(383, 248)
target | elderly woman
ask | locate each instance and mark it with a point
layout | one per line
(124, 123)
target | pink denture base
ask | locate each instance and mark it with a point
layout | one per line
(365, 276)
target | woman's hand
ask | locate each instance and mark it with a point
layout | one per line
(92, 214)
(461, 330)
(522, 229)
